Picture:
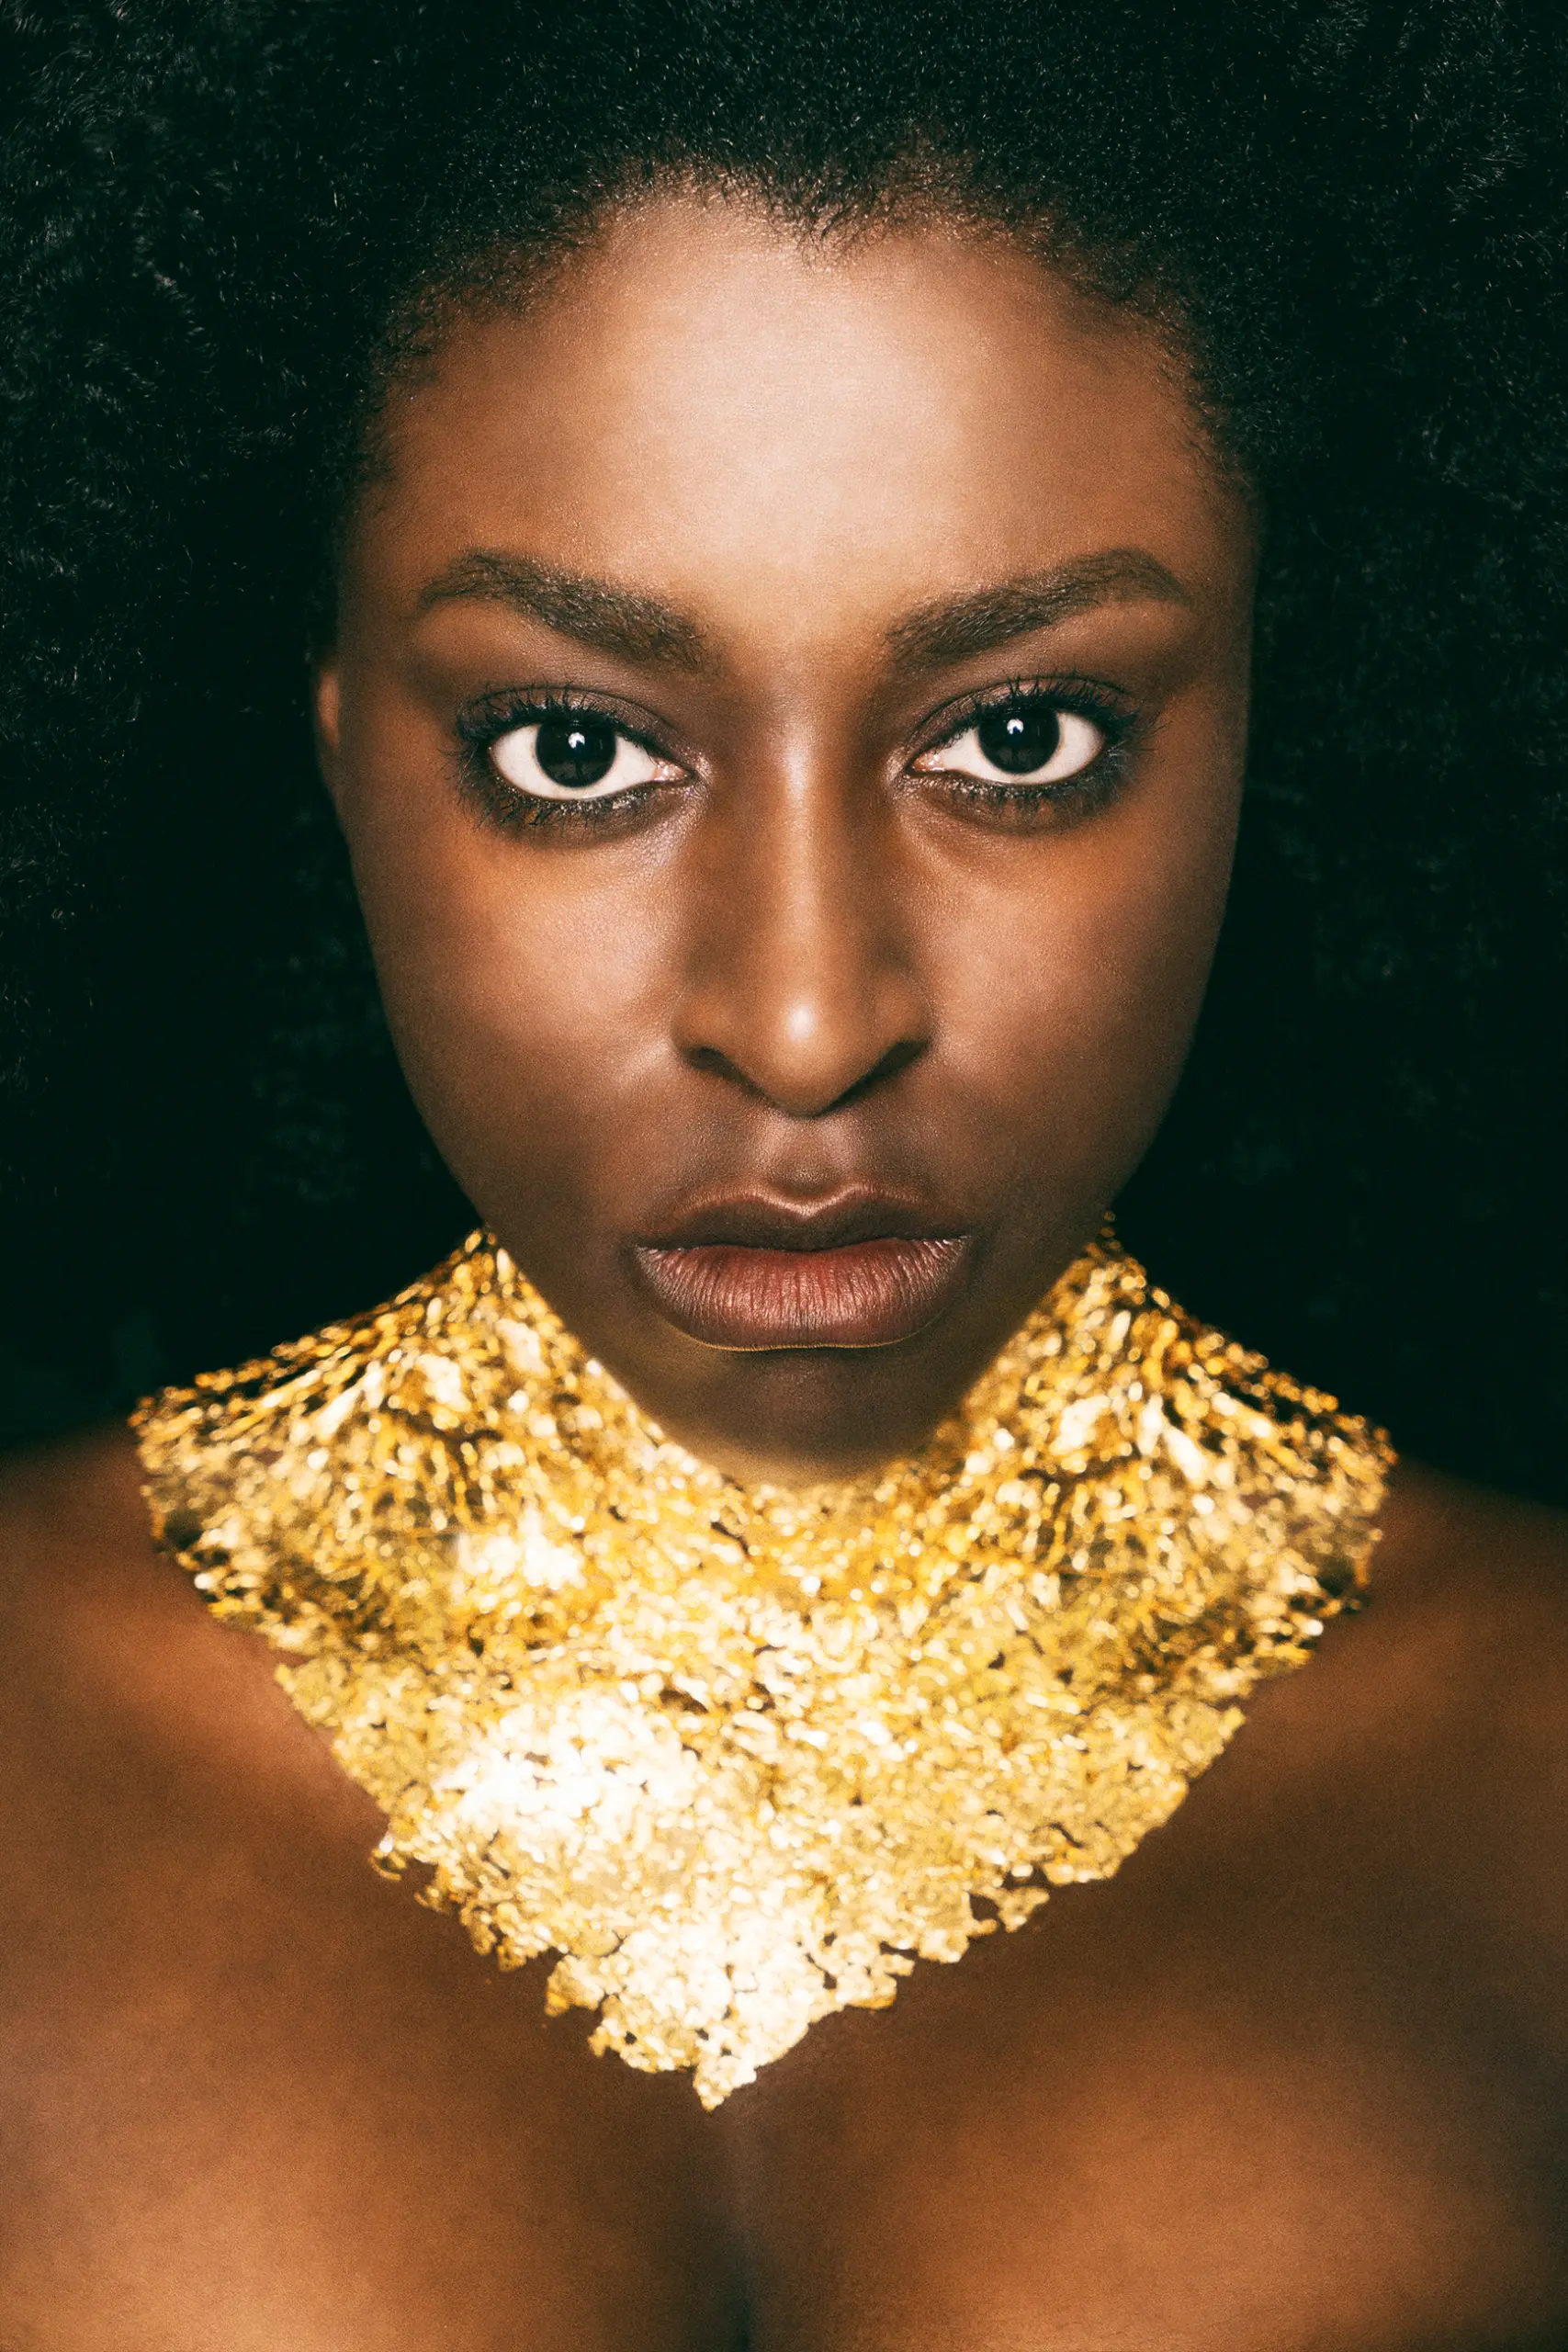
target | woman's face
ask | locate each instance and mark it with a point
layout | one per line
(787, 717)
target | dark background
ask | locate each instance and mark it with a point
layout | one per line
(204, 1145)
(247, 1164)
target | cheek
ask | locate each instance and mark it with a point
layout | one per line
(530, 987)
(1077, 981)
(520, 983)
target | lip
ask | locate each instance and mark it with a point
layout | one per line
(861, 1270)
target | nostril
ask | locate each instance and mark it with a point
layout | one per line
(897, 1057)
(801, 991)
(802, 1101)
(718, 1065)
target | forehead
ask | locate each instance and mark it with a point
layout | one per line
(710, 400)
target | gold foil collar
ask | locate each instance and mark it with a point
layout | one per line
(741, 1757)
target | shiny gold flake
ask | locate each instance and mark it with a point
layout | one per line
(740, 1755)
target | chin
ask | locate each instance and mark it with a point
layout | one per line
(810, 1417)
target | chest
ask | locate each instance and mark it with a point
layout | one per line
(1243, 2096)
(1111, 2141)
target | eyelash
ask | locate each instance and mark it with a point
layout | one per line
(1091, 788)
(481, 729)
(504, 804)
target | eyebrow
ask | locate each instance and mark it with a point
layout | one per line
(633, 627)
(955, 627)
(617, 621)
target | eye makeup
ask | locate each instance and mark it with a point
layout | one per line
(556, 759)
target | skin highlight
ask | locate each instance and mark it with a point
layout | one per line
(794, 516)
(1294, 2074)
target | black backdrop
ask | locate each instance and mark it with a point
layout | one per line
(200, 1190)
(204, 1145)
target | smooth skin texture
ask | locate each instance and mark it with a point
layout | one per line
(825, 496)
(1294, 2080)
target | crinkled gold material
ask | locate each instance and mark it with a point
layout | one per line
(741, 1756)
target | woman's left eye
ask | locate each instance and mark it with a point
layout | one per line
(575, 756)
(1031, 742)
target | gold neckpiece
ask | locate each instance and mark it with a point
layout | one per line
(743, 1756)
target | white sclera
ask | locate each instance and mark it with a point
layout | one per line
(1079, 743)
(514, 757)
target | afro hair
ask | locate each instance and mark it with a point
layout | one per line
(222, 219)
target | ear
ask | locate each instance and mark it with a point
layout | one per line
(326, 711)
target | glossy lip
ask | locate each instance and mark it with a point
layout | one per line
(861, 1270)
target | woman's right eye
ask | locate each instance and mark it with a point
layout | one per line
(576, 755)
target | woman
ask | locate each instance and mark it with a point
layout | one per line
(796, 489)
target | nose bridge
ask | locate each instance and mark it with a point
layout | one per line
(800, 982)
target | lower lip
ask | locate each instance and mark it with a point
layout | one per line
(866, 1294)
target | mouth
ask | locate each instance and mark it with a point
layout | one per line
(860, 1271)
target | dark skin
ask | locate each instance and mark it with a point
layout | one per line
(1294, 2080)
(820, 518)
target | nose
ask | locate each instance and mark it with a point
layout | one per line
(800, 984)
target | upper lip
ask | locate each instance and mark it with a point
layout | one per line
(763, 1220)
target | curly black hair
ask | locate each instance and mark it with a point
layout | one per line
(225, 219)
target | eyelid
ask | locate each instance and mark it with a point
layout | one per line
(544, 787)
(1091, 699)
(1081, 756)
(1092, 778)
(488, 717)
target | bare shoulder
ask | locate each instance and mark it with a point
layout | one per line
(1474, 1586)
(81, 1492)
(76, 1542)
(1452, 1685)
(1461, 1651)
(1460, 1565)
(116, 1683)
(72, 1516)
(92, 1615)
